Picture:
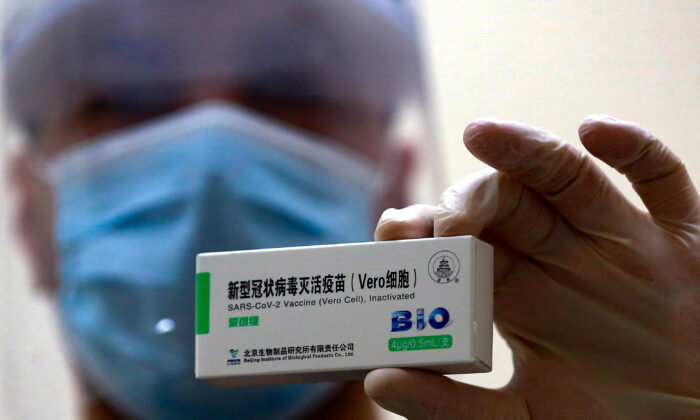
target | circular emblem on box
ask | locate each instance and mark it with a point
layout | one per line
(443, 267)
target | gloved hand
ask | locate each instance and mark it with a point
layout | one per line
(598, 300)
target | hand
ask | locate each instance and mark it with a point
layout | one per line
(598, 300)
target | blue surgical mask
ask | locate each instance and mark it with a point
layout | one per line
(133, 210)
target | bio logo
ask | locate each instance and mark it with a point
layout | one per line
(401, 320)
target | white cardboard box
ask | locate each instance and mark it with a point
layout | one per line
(329, 313)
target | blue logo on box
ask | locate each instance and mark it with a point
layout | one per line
(234, 360)
(401, 320)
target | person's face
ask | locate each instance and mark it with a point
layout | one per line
(360, 129)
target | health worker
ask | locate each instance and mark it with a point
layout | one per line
(155, 130)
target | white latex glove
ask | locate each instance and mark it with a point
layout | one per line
(599, 301)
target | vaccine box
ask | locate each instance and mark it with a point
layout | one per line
(332, 313)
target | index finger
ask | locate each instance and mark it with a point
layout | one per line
(565, 176)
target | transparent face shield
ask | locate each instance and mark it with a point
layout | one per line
(349, 71)
(166, 129)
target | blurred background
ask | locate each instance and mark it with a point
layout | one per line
(546, 63)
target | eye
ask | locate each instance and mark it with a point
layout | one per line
(130, 105)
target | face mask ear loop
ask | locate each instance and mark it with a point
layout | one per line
(387, 171)
(381, 176)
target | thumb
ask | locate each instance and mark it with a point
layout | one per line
(417, 394)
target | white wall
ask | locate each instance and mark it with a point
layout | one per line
(548, 63)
